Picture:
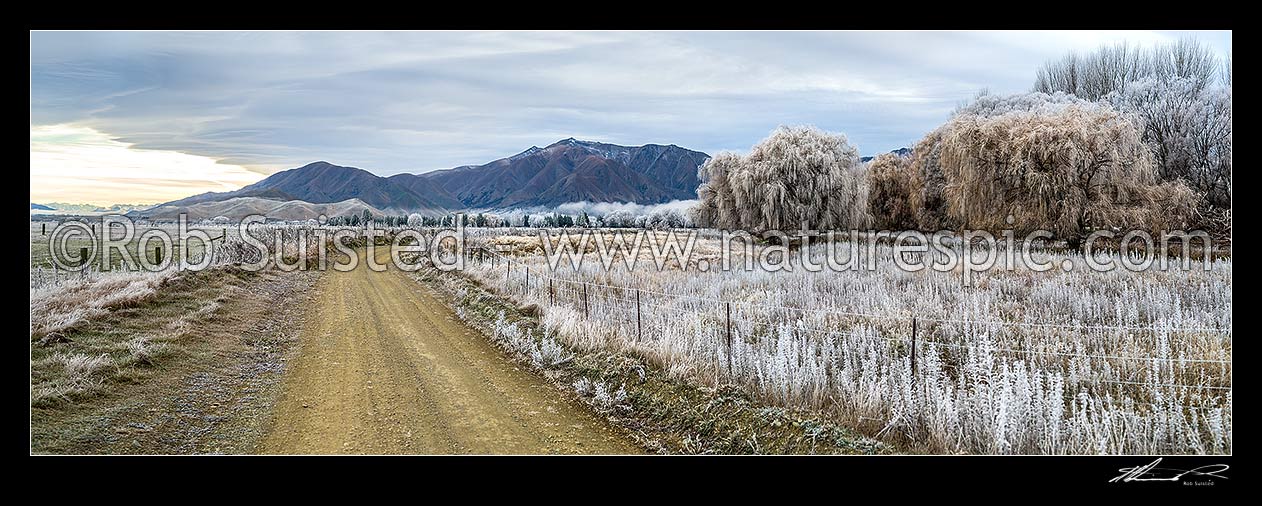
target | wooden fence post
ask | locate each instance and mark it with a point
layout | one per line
(83, 256)
(43, 229)
(552, 295)
(639, 330)
(913, 346)
(157, 253)
(729, 337)
(527, 292)
(586, 309)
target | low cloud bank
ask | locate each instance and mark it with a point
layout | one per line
(614, 214)
(604, 208)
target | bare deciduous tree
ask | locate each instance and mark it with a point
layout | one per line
(987, 104)
(1111, 68)
(1188, 127)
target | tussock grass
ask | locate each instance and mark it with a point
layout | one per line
(113, 327)
(62, 305)
(68, 374)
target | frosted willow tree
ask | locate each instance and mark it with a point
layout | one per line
(716, 205)
(892, 189)
(1068, 170)
(797, 176)
(926, 180)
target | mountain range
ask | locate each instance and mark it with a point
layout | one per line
(570, 170)
(899, 152)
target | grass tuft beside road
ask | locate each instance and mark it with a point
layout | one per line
(189, 368)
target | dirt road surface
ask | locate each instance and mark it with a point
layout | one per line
(385, 368)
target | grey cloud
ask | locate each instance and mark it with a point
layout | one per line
(411, 102)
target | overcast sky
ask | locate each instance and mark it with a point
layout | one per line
(144, 117)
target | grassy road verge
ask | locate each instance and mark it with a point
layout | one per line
(194, 368)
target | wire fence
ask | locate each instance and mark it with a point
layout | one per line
(643, 308)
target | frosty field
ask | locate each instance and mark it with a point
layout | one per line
(1055, 362)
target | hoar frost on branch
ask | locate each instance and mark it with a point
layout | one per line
(890, 194)
(1188, 127)
(988, 105)
(797, 176)
(1180, 95)
(1111, 68)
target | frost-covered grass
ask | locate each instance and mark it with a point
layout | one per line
(61, 300)
(75, 373)
(65, 362)
(543, 350)
(122, 340)
(59, 303)
(1020, 362)
(91, 329)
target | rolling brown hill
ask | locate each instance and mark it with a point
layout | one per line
(237, 208)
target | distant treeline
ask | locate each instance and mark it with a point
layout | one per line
(658, 219)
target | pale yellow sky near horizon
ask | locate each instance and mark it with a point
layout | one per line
(80, 165)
